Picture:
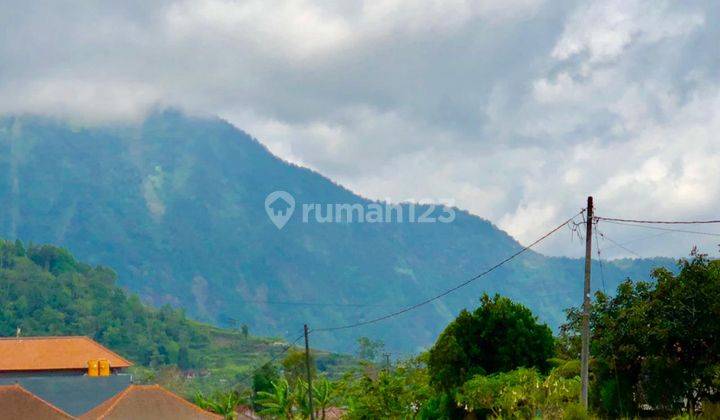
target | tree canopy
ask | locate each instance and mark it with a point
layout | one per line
(499, 336)
(656, 345)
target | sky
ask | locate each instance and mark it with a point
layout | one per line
(515, 111)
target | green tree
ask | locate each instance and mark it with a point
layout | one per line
(295, 368)
(657, 344)
(279, 402)
(513, 393)
(183, 358)
(223, 403)
(323, 396)
(500, 335)
(19, 248)
(521, 393)
(401, 393)
(263, 379)
(369, 349)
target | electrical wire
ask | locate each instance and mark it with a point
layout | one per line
(602, 270)
(660, 222)
(618, 244)
(301, 303)
(663, 229)
(448, 291)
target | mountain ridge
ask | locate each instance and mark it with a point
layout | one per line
(175, 204)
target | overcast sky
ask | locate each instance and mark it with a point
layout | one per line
(516, 111)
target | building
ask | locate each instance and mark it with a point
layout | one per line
(55, 369)
(54, 355)
(18, 403)
(61, 378)
(147, 402)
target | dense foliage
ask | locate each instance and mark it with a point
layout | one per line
(175, 205)
(499, 336)
(656, 345)
(400, 392)
(44, 290)
(655, 350)
(291, 400)
(521, 393)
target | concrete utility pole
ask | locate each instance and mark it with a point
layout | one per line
(309, 375)
(585, 352)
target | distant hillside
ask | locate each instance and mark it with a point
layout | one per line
(176, 205)
(45, 291)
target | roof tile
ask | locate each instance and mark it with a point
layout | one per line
(18, 403)
(53, 353)
(141, 402)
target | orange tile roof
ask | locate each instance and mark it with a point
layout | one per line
(18, 403)
(53, 353)
(140, 402)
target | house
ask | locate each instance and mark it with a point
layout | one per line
(55, 369)
(140, 402)
(18, 403)
(76, 377)
(44, 356)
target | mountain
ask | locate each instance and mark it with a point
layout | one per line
(176, 205)
(44, 290)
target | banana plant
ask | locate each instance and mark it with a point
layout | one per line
(280, 402)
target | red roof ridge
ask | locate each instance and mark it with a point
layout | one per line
(177, 397)
(33, 396)
(115, 400)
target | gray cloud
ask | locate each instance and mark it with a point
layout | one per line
(516, 112)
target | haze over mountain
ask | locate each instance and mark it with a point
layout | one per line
(176, 205)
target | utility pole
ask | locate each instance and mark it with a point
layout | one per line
(309, 375)
(585, 352)
(387, 361)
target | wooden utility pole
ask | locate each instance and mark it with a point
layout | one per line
(309, 375)
(585, 352)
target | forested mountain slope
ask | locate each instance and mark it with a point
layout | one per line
(44, 290)
(176, 205)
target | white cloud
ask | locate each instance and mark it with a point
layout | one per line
(515, 110)
(605, 29)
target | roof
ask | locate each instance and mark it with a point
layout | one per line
(53, 353)
(139, 402)
(74, 394)
(17, 403)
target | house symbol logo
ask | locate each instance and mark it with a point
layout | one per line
(279, 206)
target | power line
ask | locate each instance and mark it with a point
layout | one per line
(620, 245)
(639, 239)
(664, 229)
(602, 271)
(301, 303)
(448, 291)
(660, 222)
